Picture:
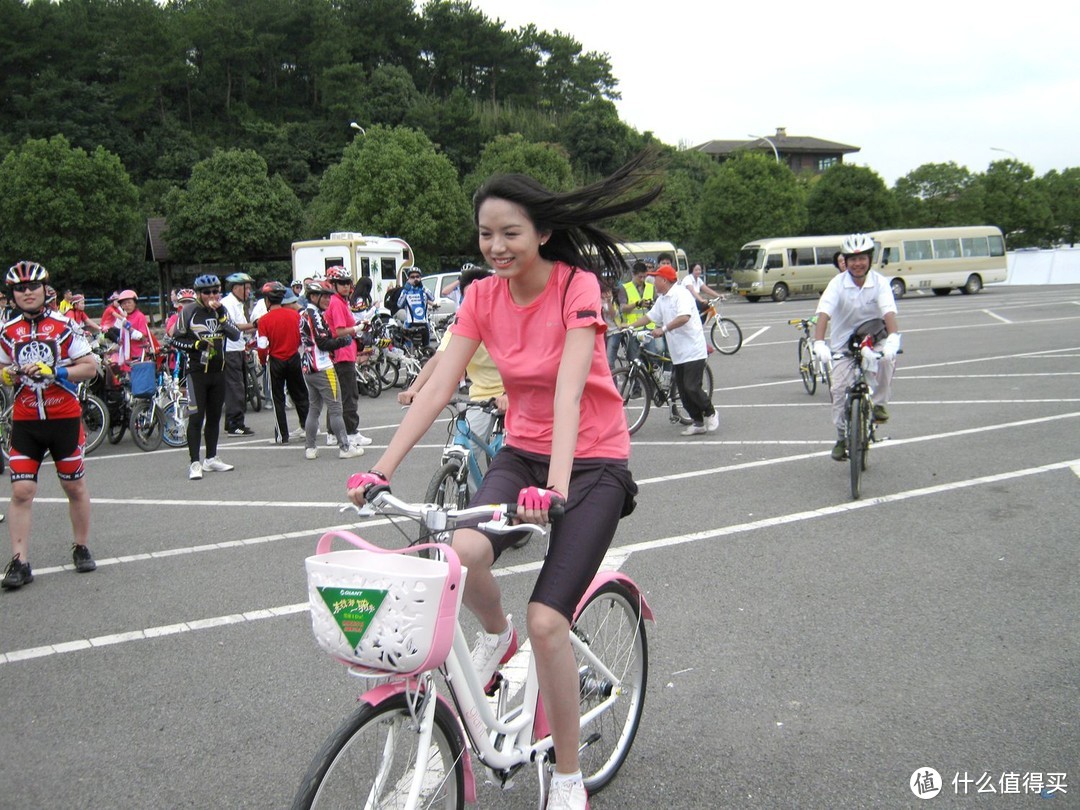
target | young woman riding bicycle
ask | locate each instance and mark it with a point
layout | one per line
(539, 318)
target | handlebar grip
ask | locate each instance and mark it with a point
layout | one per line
(557, 511)
(375, 490)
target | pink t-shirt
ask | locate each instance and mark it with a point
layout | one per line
(526, 344)
(338, 314)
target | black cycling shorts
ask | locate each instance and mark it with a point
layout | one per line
(31, 439)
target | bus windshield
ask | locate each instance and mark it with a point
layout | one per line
(750, 259)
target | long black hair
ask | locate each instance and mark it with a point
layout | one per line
(570, 216)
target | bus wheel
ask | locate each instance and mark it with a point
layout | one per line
(898, 287)
(753, 299)
(780, 293)
(974, 284)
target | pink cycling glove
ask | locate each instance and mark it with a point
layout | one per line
(365, 481)
(539, 499)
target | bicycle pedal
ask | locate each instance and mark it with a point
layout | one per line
(495, 684)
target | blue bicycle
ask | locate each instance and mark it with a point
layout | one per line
(460, 470)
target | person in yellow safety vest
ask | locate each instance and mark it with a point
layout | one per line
(634, 299)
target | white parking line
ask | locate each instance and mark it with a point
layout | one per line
(996, 316)
(617, 554)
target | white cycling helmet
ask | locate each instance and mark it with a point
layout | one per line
(857, 243)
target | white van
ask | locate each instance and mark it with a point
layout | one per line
(648, 251)
(385, 260)
(940, 259)
(786, 266)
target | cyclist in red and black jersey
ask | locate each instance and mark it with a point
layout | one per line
(44, 358)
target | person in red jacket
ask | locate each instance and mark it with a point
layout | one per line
(279, 341)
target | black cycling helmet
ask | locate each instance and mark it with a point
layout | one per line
(274, 291)
(873, 328)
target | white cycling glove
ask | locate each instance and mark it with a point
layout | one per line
(891, 346)
(823, 352)
(136, 334)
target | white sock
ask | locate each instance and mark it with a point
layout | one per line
(557, 777)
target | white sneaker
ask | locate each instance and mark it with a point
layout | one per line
(311, 453)
(567, 794)
(194, 472)
(490, 650)
(331, 440)
(693, 430)
(215, 464)
(296, 433)
(712, 422)
(351, 451)
(359, 439)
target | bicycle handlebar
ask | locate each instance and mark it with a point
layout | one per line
(438, 518)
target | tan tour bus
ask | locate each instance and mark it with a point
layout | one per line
(782, 267)
(940, 259)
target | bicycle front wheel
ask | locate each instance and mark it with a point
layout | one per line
(118, 423)
(612, 628)
(634, 388)
(806, 366)
(856, 443)
(678, 410)
(95, 418)
(370, 761)
(726, 336)
(146, 427)
(175, 419)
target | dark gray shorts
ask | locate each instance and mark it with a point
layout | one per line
(601, 492)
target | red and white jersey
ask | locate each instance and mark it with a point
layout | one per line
(48, 338)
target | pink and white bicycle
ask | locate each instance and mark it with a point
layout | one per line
(392, 616)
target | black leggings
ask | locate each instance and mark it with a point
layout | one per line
(206, 398)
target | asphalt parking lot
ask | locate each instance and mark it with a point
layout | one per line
(809, 651)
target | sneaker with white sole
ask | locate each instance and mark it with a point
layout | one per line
(491, 650)
(350, 451)
(567, 794)
(712, 422)
(296, 433)
(360, 440)
(215, 464)
(194, 471)
(331, 440)
(693, 430)
(311, 453)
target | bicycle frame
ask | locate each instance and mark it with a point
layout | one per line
(464, 441)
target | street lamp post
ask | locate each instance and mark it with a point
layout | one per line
(357, 127)
(1006, 151)
(769, 142)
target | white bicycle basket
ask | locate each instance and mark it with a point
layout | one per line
(384, 609)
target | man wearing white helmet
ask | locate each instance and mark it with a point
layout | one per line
(852, 298)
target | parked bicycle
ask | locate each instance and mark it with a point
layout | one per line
(405, 746)
(811, 369)
(724, 334)
(648, 381)
(95, 418)
(253, 380)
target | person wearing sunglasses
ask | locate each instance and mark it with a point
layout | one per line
(201, 332)
(44, 358)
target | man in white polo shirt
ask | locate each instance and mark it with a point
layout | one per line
(676, 318)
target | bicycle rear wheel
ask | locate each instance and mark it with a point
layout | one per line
(678, 411)
(856, 443)
(636, 392)
(611, 626)
(806, 366)
(726, 336)
(95, 418)
(370, 760)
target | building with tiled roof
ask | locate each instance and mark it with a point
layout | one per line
(801, 153)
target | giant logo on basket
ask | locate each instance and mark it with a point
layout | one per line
(353, 609)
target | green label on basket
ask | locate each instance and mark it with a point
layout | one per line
(353, 609)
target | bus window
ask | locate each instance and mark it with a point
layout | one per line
(946, 248)
(918, 250)
(803, 257)
(775, 260)
(887, 255)
(365, 268)
(825, 254)
(749, 259)
(997, 245)
(333, 261)
(975, 246)
(389, 268)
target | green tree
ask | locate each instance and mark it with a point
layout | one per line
(393, 182)
(1017, 204)
(850, 199)
(598, 142)
(749, 197)
(938, 195)
(231, 210)
(73, 211)
(545, 162)
(1063, 189)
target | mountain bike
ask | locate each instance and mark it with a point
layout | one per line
(811, 369)
(724, 334)
(861, 428)
(459, 473)
(407, 746)
(253, 381)
(648, 380)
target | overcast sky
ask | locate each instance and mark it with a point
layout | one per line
(908, 83)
